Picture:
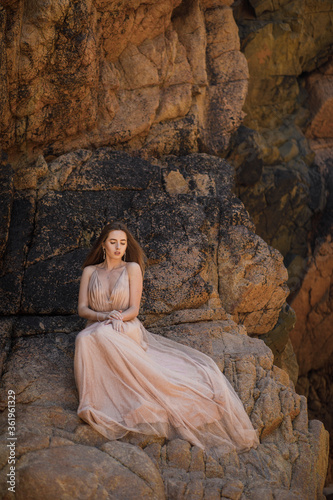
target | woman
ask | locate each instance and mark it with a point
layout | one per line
(129, 379)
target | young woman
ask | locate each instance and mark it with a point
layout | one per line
(129, 379)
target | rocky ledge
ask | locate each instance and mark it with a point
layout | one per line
(211, 283)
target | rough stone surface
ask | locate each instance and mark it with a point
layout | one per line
(283, 158)
(196, 238)
(6, 201)
(278, 340)
(83, 471)
(255, 297)
(164, 76)
(281, 40)
(320, 88)
(108, 184)
(312, 337)
(52, 442)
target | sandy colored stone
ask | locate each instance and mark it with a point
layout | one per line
(138, 462)
(178, 454)
(153, 451)
(233, 490)
(278, 50)
(213, 468)
(197, 460)
(72, 471)
(182, 234)
(287, 46)
(175, 183)
(320, 89)
(118, 467)
(213, 489)
(247, 293)
(314, 312)
(103, 74)
(191, 30)
(59, 441)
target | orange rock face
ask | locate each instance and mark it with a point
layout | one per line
(159, 76)
(320, 88)
(312, 336)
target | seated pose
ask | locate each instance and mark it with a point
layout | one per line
(131, 380)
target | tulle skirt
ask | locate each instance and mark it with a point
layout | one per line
(141, 382)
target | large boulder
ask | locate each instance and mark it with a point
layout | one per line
(199, 240)
(210, 280)
(283, 156)
(56, 452)
(165, 76)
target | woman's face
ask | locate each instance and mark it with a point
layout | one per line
(115, 244)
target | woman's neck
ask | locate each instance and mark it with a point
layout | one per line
(110, 264)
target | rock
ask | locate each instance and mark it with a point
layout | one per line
(312, 336)
(182, 260)
(213, 468)
(233, 490)
(92, 472)
(52, 437)
(278, 340)
(197, 291)
(178, 454)
(6, 203)
(320, 89)
(19, 240)
(278, 221)
(316, 385)
(170, 78)
(6, 326)
(244, 298)
(283, 111)
(197, 460)
(164, 79)
(138, 463)
(280, 42)
(36, 325)
(289, 150)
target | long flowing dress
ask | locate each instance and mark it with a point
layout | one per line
(142, 382)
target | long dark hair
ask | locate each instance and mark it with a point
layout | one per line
(134, 252)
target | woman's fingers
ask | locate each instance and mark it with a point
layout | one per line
(117, 325)
(116, 315)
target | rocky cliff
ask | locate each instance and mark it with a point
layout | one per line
(284, 156)
(164, 77)
(162, 80)
(206, 285)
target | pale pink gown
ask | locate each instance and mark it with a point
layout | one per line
(142, 382)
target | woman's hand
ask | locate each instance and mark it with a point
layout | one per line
(116, 315)
(117, 325)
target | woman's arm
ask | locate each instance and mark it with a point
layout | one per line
(135, 292)
(83, 305)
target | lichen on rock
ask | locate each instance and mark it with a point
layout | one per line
(195, 241)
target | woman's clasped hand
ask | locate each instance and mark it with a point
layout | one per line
(115, 318)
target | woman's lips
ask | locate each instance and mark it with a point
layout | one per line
(117, 253)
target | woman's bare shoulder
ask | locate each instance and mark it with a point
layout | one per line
(133, 267)
(88, 270)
